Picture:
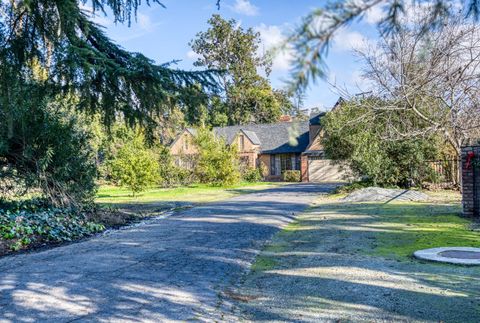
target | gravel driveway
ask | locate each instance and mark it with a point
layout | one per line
(176, 268)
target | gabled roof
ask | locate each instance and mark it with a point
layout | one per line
(273, 138)
(192, 131)
(315, 119)
(252, 136)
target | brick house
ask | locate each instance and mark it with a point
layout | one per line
(278, 146)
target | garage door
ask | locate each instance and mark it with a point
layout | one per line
(324, 170)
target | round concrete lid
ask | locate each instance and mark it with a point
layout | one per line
(452, 255)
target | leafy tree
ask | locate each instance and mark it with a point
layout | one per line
(49, 150)
(247, 96)
(258, 103)
(355, 133)
(217, 162)
(134, 165)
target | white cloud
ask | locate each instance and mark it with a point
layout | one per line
(273, 41)
(98, 17)
(360, 83)
(347, 40)
(145, 23)
(375, 14)
(245, 7)
(192, 55)
(357, 78)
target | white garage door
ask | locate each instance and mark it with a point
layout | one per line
(324, 170)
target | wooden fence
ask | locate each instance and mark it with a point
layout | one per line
(441, 174)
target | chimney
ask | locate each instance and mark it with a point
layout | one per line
(285, 118)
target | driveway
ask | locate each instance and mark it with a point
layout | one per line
(327, 270)
(176, 268)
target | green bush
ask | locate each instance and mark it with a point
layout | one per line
(29, 222)
(217, 162)
(47, 150)
(356, 134)
(135, 166)
(170, 174)
(252, 175)
(292, 176)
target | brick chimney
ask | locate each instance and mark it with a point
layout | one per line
(285, 118)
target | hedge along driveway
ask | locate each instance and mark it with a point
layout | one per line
(178, 268)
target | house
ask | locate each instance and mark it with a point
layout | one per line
(277, 146)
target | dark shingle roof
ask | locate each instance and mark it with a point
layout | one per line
(252, 136)
(273, 138)
(315, 119)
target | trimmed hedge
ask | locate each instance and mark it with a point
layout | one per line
(292, 176)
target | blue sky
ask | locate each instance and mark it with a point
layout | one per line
(162, 34)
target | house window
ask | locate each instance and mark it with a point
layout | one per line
(242, 143)
(273, 169)
(286, 162)
(282, 162)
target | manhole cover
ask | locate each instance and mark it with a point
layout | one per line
(460, 254)
(453, 255)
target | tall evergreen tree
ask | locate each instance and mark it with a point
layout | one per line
(78, 57)
(51, 50)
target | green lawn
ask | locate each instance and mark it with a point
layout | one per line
(354, 261)
(198, 193)
(400, 228)
(407, 227)
(393, 230)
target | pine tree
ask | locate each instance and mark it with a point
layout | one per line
(79, 58)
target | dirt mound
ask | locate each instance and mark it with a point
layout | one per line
(377, 194)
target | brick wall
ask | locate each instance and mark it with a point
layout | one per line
(304, 168)
(470, 182)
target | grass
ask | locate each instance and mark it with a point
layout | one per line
(413, 226)
(198, 193)
(339, 260)
(393, 230)
(401, 228)
(267, 259)
(263, 263)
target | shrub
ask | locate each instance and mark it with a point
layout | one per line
(292, 176)
(135, 166)
(356, 134)
(252, 175)
(47, 150)
(217, 162)
(170, 174)
(28, 222)
(263, 170)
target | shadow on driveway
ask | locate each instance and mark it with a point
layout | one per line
(165, 269)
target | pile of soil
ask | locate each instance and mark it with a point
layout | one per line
(377, 194)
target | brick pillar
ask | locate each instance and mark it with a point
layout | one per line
(470, 188)
(304, 167)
